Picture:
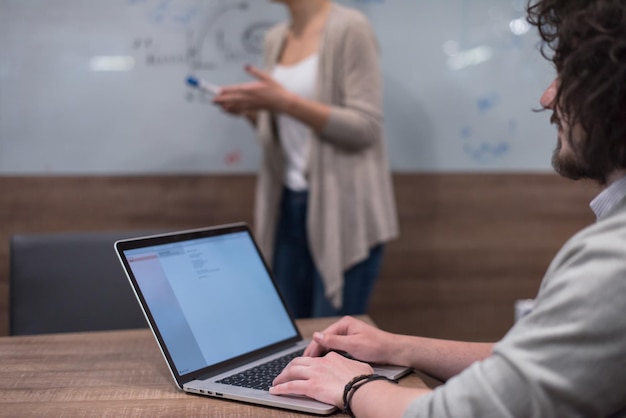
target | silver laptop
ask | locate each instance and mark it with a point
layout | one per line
(216, 314)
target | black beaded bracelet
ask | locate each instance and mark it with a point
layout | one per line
(354, 384)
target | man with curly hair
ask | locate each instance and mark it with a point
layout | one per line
(567, 358)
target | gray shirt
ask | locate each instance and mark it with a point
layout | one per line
(567, 358)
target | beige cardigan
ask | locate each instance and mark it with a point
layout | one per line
(351, 204)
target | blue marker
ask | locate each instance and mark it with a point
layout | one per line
(203, 85)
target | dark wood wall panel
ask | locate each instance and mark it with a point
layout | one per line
(469, 246)
(94, 203)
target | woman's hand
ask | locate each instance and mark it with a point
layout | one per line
(362, 341)
(321, 378)
(263, 94)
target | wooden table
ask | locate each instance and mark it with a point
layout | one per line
(111, 374)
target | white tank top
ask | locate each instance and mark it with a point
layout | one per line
(295, 136)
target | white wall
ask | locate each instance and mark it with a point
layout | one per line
(460, 85)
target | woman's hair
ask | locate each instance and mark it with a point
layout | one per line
(586, 41)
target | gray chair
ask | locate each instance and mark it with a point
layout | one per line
(70, 282)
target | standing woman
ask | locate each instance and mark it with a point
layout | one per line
(324, 200)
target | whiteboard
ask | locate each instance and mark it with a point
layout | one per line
(98, 87)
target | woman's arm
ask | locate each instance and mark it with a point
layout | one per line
(355, 121)
(267, 94)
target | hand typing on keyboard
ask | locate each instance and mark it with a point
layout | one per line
(262, 376)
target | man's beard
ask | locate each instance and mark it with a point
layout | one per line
(566, 165)
(572, 166)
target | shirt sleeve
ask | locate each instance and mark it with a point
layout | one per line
(356, 121)
(567, 357)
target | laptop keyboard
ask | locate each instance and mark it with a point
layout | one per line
(261, 376)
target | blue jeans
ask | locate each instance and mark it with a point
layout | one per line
(297, 277)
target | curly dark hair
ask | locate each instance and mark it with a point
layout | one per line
(586, 41)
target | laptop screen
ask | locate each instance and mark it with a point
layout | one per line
(211, 298)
